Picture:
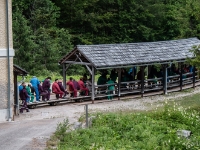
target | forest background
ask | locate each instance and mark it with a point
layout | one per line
(46, 30)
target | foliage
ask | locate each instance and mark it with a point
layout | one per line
(195, 61)
(39, 43)
(45, 30)
(62, 128)
(109, 21)
(23, 40)
(137, 131)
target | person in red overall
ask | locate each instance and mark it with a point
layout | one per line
(83, 87)
(71, 87)
(56, 89)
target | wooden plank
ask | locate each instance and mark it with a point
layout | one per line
(129, 94)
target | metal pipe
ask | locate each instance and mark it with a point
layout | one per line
(8, 58)
(17, 96)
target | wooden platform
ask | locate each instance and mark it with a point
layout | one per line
(126, 93)
(54, 102)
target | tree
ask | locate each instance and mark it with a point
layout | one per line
(195, 61)
(23, 41)
(50, 26)
(49, 42)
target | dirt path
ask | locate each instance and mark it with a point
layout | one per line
(30, 131)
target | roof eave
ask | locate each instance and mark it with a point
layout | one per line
(139, 64)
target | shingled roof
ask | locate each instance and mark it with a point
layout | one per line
(127, 54)
(18, 70)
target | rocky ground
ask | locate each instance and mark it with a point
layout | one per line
(30, 131)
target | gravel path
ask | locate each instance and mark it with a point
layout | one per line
(30, 131)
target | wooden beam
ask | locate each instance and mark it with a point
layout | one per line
(88, 68)
(119, 83)
(165, 79)
(181, 76)
(64, 75)
(69, 55)
(79, 63)
(93, 87)
(142, 81)
(193, 76)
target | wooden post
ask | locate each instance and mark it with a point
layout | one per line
(142, 81)
(93, 87)
(119, 83)
(64, 75)
(148, 71)
(181, 76)
(193, 76)
(133, 73)
(165, 79)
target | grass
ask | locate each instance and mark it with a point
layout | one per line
(135, 131)
(187, 102)
(138, 130)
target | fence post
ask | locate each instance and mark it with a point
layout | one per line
(193, 75)
(181, 77)
(86, 114)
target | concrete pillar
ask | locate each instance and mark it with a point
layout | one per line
(4, 46)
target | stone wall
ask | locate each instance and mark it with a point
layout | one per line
(4, 62)
(4, 82)
(3, 29)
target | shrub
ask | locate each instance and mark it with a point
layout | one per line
(155, 130)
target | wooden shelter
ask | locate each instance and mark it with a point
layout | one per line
(107, 56)
(17, 71)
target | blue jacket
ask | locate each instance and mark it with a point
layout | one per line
(20, 88)
(34, 81)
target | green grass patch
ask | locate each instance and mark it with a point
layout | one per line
(187, 102)
(122, 131)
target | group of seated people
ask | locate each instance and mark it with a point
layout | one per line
(153, 73)
(187, 71)
(83, 86)
(42, 90)
(125, 76)
(157, 73)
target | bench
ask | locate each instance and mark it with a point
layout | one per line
(79, 92)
